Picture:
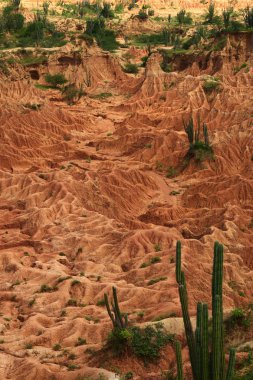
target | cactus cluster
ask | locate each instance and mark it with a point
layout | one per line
(119, 321)
(207, 364)
(194, 134)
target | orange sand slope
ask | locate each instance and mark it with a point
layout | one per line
(84, 196)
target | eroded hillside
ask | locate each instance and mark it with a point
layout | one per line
(91, 191)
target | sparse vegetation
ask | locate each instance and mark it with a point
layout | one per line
(199, 150)
(155, 280)
(80, 342)
(153, 260)
(55, 80)
(131, 68)
(57, 347)
(47, 289)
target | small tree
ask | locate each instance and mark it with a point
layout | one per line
(56, 80)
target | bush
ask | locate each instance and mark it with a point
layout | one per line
(14, 22)
(211, 85)
(142, 15)
(132, 5)
(131, 68)
(71, 93)
(237, 318)
(144, 343)
(183, 17)
(106, 38)
(55, 80)
(155, 280)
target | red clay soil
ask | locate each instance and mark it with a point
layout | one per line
(84, 201)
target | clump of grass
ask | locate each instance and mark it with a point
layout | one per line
(72, 367)
(102, 96)
(155, 280)
(153, 260)
(157, 247)
(101, 302)
(47, 289)
(57, 347)
(71, 302)
(174, 192)
(164, 316)
(61, 279)
(28, 346)
(31, 60)
(171, 172)
(80, 342)
(31, 302)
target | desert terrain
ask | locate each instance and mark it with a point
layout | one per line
(95, 192)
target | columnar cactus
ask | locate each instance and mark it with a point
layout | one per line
(119, 321)
(193, 133)
(180, 375)
(206, 365)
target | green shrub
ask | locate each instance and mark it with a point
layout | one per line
(14, 22)
(142, 15)
(71, 302)
(57, 347)
(155, 280)
(237, 318)
(131, 68)
(210, 85)
(157, 247)
(101, 302)
(71, 93)
(153, 260)
(183, 17)
(80, 342)
(55, 80)
(47, 289)
(144, 343)
(105, 38)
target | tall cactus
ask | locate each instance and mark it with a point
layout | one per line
(180, 375)
(206, 365)
(193, 133)
(119, 321)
